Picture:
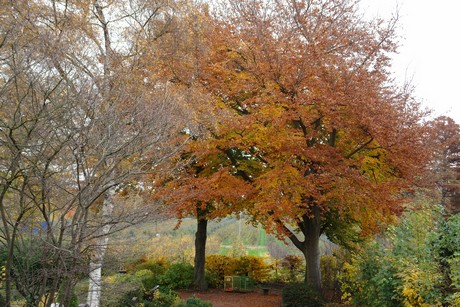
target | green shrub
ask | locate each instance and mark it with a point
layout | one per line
(370, 278)
(415, 263)
(454, 266)
(214, 280)
(178, 276)
(194, 302)
(127, 299)
(300, 295)
(117, 286)
(148, 278)
(163, 298)
(448, 250)
(156, 266)
(159, 298)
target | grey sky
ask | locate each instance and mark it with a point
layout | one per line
(430, 49)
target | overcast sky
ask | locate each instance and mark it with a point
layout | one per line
(430, 49)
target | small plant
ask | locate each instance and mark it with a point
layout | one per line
(194, 302)
(299, 295)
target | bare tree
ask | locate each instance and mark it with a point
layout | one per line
(87, 117)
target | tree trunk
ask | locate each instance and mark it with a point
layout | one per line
(94, 287)
(199, 278)
(95, 266)
(312, 260)
(9, 239)
(67, 291)
(312, 232)
(311, 228)
(8, 265)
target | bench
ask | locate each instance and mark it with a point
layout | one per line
(265, 290)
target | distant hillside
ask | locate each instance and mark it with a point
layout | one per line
(155, 239)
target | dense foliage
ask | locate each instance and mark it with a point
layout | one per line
(413, 264)
(178, 276)
(218, 266)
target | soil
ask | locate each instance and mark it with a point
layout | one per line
(220, 298)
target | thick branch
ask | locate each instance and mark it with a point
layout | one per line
(241, 173)
(359, 148)
(297, 243)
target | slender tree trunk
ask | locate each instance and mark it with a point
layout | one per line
(50, 299)
(68, 287)
(95, 266)
(8, 265)
(199, 278)
(9, 244)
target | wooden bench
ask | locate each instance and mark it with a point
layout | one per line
(265, 290)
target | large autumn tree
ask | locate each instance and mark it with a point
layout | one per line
(309, 86)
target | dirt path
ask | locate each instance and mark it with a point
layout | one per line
(220, 298)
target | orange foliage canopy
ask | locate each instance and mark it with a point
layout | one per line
(308, 83)
(205, 181)
(311, 118)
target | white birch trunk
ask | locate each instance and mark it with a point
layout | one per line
(97, 258)
(96, 261)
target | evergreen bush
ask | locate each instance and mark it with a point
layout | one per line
(178, 276)
(148, 278)
(300, 295)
